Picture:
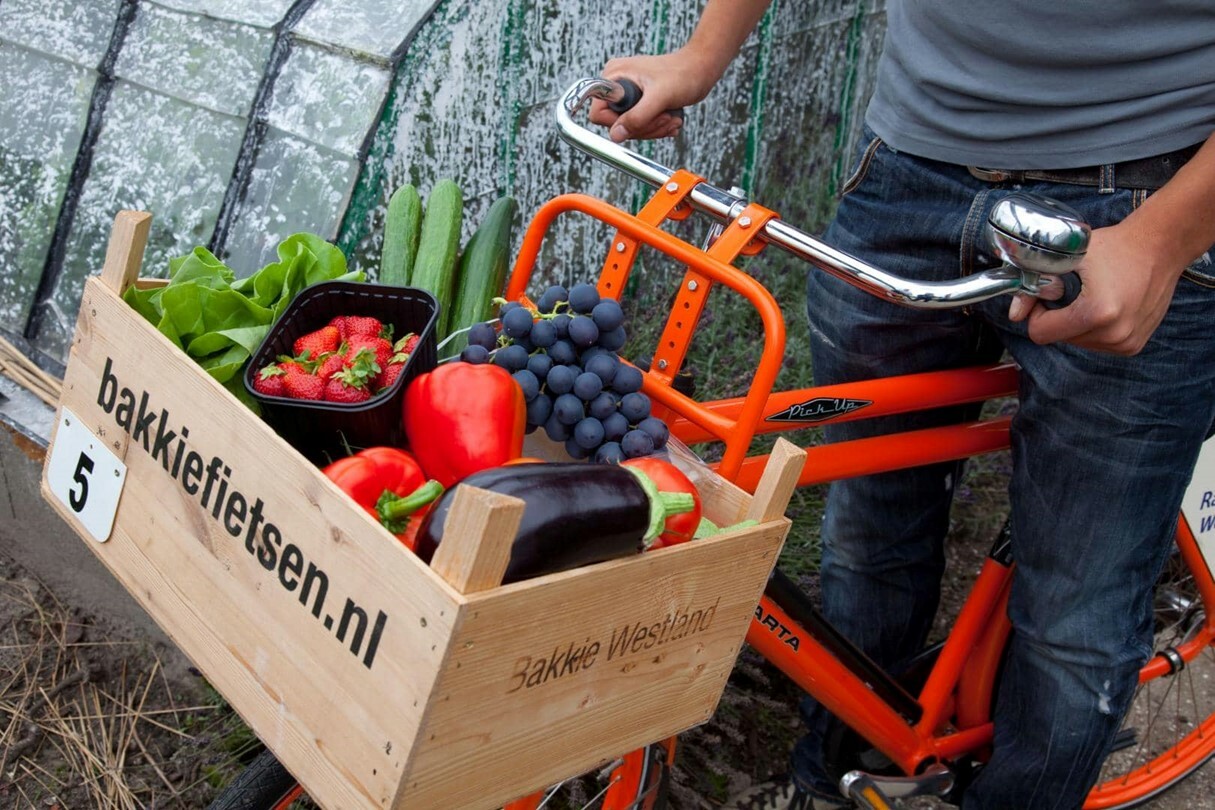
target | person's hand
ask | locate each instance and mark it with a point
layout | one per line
(667, 82)
(1126, 293)
(680, 78)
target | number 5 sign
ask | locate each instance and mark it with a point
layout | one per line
(85, 476)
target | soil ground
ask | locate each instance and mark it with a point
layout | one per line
(93, 718)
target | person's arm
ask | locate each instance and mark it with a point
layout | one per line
(1132, 268)
(683, 77)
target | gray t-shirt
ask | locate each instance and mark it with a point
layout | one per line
(1045, 84)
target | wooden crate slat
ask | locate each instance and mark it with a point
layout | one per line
(477, 539)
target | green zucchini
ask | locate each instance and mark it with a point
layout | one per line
(402, 227)
(483, 266)
(434, 269)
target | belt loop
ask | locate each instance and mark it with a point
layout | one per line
(1106, 179)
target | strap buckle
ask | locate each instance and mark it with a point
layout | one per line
(991, 175)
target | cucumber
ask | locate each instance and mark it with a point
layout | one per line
(483, 268)
(402, 227)
(434, 269)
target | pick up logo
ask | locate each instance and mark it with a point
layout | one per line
(819, 409)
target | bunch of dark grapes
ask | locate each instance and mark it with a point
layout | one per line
(564, 357)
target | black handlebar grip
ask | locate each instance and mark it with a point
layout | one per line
(1071, 291)
(632, 95)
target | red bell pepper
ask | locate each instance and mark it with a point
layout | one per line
(679, 528)
(390, 485)
(462, 418)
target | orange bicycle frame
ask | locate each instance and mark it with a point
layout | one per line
(734, 422)
(950, 716)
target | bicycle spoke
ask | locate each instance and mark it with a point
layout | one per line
(1167, 732)
(549, 796)
(613, 785)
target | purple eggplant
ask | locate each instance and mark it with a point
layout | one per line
(574, 514)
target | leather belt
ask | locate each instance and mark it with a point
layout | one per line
(1145, 173)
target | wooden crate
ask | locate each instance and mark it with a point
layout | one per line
(377, 680)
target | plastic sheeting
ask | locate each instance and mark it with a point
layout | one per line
(238, 123)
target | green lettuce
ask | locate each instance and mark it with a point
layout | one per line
(220, 320)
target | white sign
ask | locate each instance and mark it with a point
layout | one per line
(85, 476)
(1198, 505)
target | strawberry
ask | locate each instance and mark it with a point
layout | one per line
(299, 383)
(347, 387)
(362, 365)
(402, 350)
(351, 325)
(331, 364)
(318, 343)
(381, 349)
(407, 344)
(388, 376)
(269, 381)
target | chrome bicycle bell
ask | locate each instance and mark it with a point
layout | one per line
(1037, 234)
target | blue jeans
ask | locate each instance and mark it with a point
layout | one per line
(1102, 449)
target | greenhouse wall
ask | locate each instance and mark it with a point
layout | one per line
(240, 122)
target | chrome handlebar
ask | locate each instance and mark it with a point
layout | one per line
(1035, 237)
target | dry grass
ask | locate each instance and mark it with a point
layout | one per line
(84, 723)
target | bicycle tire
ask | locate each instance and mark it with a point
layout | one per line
(637, 781)
(264, 784)
(1169, 730)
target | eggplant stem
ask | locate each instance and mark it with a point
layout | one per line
(662, 504)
